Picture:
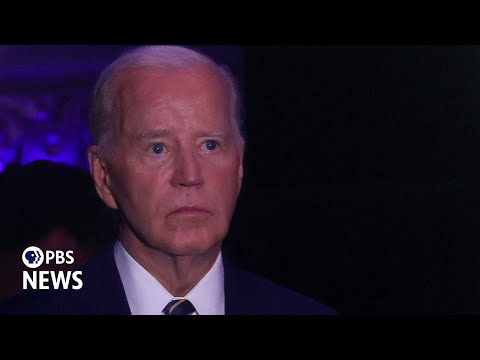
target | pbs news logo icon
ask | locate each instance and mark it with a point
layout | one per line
(33, 257)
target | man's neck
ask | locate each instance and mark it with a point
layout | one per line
(177, 274)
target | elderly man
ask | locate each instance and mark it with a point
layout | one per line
(168, 154)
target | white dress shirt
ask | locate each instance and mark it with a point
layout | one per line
(146, 296)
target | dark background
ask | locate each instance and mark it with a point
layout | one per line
(361, 170)
(362, 175)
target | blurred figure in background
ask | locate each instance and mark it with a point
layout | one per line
(54, 207)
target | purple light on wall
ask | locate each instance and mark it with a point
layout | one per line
(41, 116)
(52, 139)
(7, 155)
(66, 154)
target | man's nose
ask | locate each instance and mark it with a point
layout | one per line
(187, 170)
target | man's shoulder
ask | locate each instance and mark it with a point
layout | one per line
(283, 300)
(249, 293)
(39, 302)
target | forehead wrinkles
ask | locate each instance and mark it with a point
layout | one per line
(143, 91)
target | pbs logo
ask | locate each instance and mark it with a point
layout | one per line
(33, 257)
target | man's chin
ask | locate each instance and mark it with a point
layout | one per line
(185, 246)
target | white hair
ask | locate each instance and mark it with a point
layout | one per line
(151, 57)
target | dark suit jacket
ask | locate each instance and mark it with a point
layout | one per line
(103, 294)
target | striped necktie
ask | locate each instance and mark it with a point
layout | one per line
(179, 307)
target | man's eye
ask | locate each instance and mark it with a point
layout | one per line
(211, 145)
(158, 148)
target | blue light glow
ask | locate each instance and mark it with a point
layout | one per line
(41, 116)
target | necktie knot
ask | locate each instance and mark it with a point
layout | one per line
(179, 307)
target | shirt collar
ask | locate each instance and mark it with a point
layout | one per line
(146, 296)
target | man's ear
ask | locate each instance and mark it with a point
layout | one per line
(240, 166)
(101, 178)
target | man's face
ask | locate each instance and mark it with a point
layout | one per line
(176, 169)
